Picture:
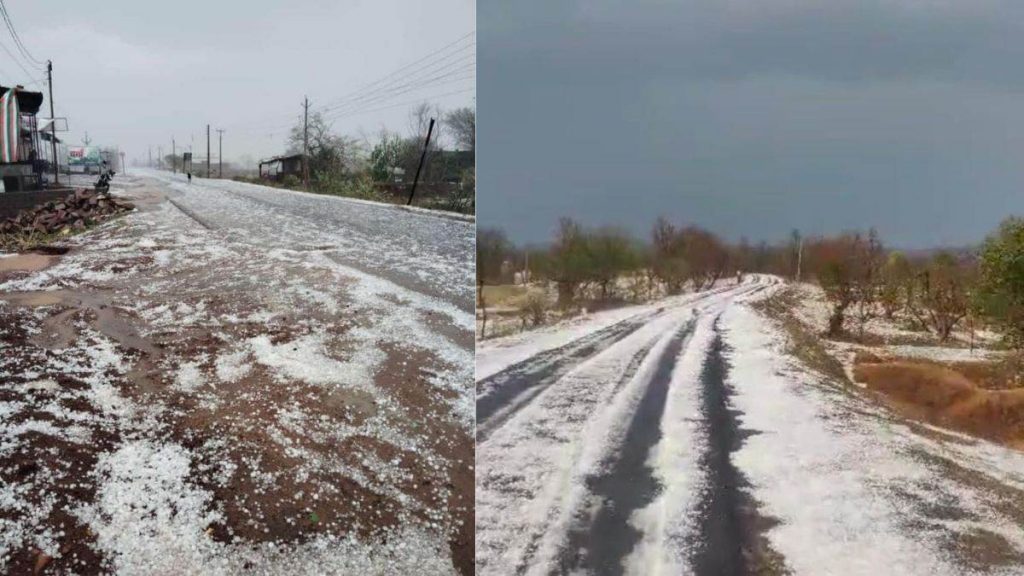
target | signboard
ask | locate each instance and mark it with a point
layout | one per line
(186, 162)
(84, 156)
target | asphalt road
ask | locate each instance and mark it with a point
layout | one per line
(429, 253)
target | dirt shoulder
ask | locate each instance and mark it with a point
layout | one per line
(175, 398)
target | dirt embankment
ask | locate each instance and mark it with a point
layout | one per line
(980, 398)
(965, 396)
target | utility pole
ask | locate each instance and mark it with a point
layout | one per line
(174, 156)
(207, 150)
(85, 139)
(160, 157)
(799, 257)
(150, 156)
(124, 167)
(53, 120)
(419, 166)
(305, 143)
(220, 153)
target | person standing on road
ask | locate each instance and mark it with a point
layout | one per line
(189, 177)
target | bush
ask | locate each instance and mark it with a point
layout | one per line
(291, 181)
(535, 309)
(1000, 293)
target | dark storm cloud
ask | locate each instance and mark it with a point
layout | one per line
(752, 118)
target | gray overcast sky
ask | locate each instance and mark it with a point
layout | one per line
(752, 118)
(137, 73)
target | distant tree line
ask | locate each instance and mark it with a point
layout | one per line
(349, 166)
(935, 291)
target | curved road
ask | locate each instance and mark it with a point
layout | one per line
(687, 440)
(566, 438)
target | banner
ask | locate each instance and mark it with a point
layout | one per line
(84, 156)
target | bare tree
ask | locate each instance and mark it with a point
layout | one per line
(943, 294)
(706, 255)
(462, 122)
(330, 155)
(492, 247)
(668, 259)
(836, 263)
(570, 261)
(867, 278)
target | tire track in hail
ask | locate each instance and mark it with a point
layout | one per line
(730, 528)
(627, 375)
(510, 390)
(599, 545)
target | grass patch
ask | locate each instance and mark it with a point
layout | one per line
(36, 240)
(504, 294)
(802, 342)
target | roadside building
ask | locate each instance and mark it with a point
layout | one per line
(21, 161)
(278, 167)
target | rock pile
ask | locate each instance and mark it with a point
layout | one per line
(76, 211)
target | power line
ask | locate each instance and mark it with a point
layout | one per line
(388, 82)
(17, 39)
(358, 112)
(421, 69)
(16, 60)
(462, 74)
(414, 80)
(367, 105)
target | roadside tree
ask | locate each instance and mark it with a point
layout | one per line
(1000, 292)
(492, 249)
(943, 293)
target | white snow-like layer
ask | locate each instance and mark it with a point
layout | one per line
(829, 468)
(814, 309)
(149, 519)
(231, 366)
(305, 359)
(493, 356)
(941, 353)
(26, 505)
(437, 252)
(181, 276)
(146, 515)
(531, 472)
(667, 522)
(189, 377)
(398, 315)
(497, 354)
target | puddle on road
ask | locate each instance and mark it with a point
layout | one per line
(33, 299)
(58, 330)
(26, 262)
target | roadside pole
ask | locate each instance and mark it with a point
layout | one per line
(207, 150)
(799, 258)
(220, 153)
(305, 143)
(174, 157)
(419, 167)
(53, 121)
